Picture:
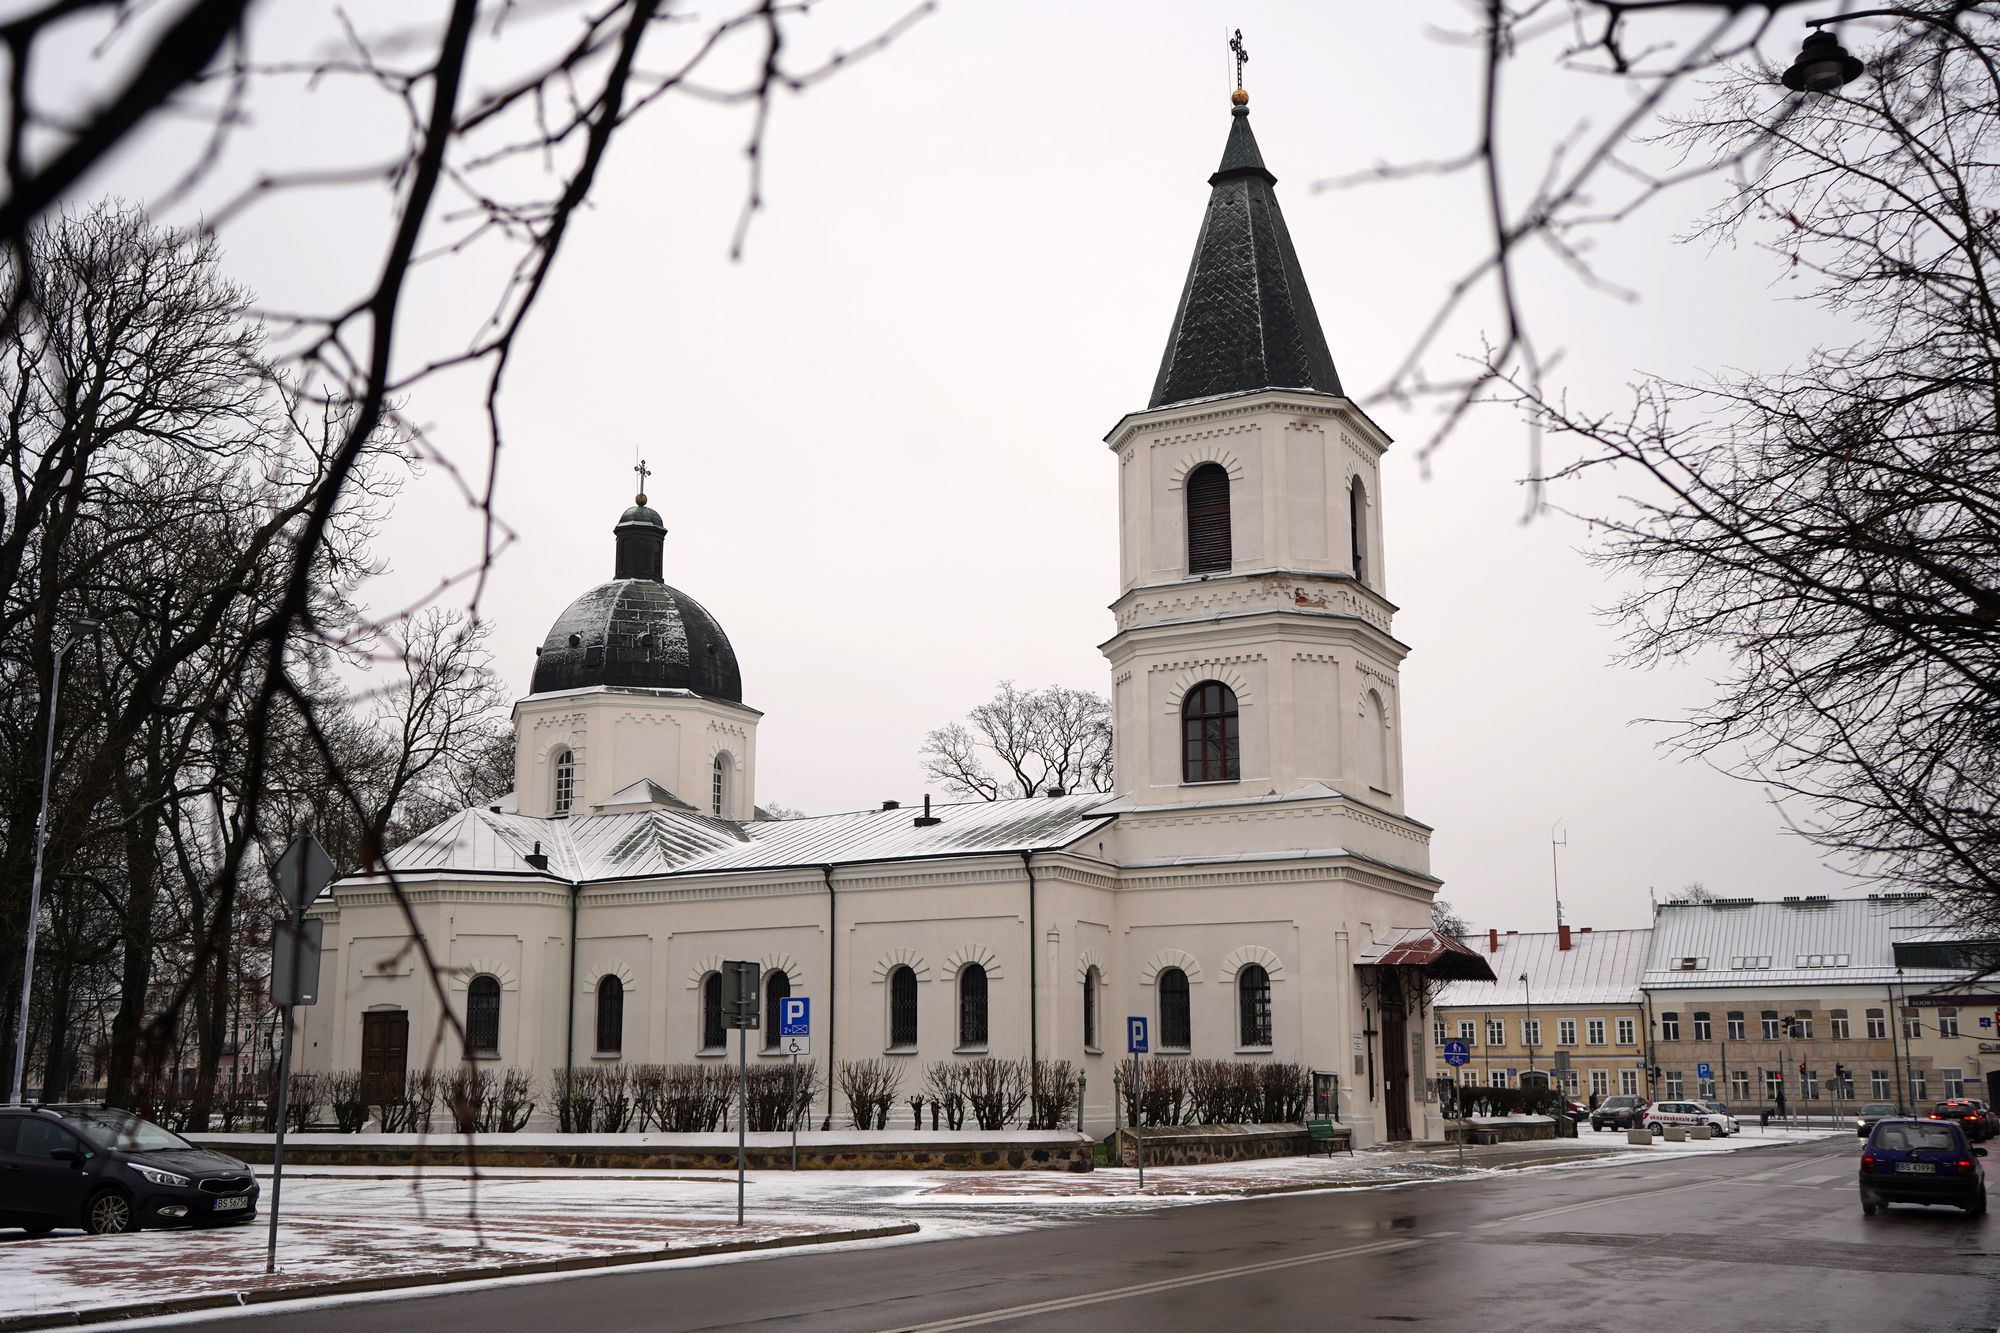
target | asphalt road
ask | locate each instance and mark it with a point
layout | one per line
(1765, 1240)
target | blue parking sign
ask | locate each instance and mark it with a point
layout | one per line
(795, 1016)
(1701, 1071)
(1135, 1035)
(1456, 1054)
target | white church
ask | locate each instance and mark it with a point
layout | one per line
(1253, 885)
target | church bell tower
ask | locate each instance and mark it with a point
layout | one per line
(1254, 652)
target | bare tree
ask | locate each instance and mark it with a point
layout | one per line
(1053, 739)
(1447, 922)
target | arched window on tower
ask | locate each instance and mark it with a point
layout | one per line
(1357, 527)
(1090, 982)
(1208, 734)
(482, 1016)
(777, 989)
(1253, 1006)
(610, 1015)
(902, 1009)
(719, 786)
(564, 794)
(972, 1006)
(1176, 1019)
(1374, 742)
(1208, 519)
(714, 1037)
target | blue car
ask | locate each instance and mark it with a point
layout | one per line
(1921, 1161)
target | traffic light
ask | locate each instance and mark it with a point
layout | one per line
(1802, 1069)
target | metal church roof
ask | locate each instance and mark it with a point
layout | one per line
(1599, 967)
(1842, 941)
(657, 842)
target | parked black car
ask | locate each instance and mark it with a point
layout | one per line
(1972, 1116)
(107, 1170)
(1621, 1112)
(1922, 1161)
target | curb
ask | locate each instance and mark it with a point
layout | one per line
(269, 1296)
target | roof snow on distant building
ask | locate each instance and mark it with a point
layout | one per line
(1821, 940)
(1570, 966)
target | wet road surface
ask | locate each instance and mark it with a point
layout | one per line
(1765, 1240)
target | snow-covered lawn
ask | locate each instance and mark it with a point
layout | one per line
(343, 1223)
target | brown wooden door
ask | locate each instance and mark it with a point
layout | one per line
(385, 1044)
(1395, 1077)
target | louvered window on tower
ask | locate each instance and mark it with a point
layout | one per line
(1208, 519)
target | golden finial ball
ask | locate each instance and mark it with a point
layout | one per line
(1240, 97)
(641, 498)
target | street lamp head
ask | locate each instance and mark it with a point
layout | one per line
(1823, 65)
(85, 626)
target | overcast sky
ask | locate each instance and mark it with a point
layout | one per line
(877, 439)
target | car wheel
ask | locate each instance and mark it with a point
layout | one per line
(1868, 1209)
(1595, 1127)
(108, 1214)
(1655, 1129)
(1977, 1207)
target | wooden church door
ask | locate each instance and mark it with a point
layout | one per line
(385, 1044)
(1395, 1076)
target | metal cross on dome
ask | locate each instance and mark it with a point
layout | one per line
(1236, 45)
(644, 472)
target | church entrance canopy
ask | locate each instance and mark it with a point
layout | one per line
(1438, 957)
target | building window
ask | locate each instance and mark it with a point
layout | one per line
(1357, 528)
(1496, 1032)
(777, 989)
(1918, 1093)
(1628, 1082)
(1836, 1025)
(1496, 1078)
(1769, 1018)
(1531, 1032)
(1468, 1032)
(1809, 1086)
(972, 1005)
(718, 787)
(1374, 741)
(1593, 1032)
(1208, 519)
(1437, 1033)
(1566, 1032)
(1947, 1026)
(1802, 1025)
(714, 1037)
(1670, 1029)
(1913, 1024)
(1600, 1082)
(1176, 1023)
(1878, 1084)
(1704, 1030)
(1739, 1085)
(1090, 1008)
(1209, 747)
(482, 1016)
(1628, 1032)
(903, 1009)
(1735, 1020)
(1676, 1089)
(565, 788)
(1253, 1005)
(1469, 1077)
(610, 1015)
(1954, 1082)
(1878, 1025)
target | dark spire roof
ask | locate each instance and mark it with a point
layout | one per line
(1246, 320)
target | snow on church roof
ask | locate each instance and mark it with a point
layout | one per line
(670, 842)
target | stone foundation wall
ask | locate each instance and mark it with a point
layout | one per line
(1195, 1145)
(959, 1152)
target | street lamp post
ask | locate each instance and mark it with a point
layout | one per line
(76, 632)
(1529, 1000)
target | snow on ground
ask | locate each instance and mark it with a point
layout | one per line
(352, 1222)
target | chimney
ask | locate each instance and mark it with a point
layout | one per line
(1493, 941)
(1562, 939)
(892, 805)
(926, 819)
(536, 858)
(1583, 930)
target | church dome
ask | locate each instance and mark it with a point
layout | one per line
(636, 631)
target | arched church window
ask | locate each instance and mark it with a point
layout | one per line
(1208, 734)
(714, 1037)
(610, 1015)
(565, 788)
(1208, 519)
(1357, 527)
(902, 1009)
(1176, 1018)
(1090, 1008)
(482, 1015)
(1253, 1005)
(1374, 742)
(777, 989)
(972, 1005)
(719, 786)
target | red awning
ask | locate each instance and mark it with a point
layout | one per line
(1438, 955)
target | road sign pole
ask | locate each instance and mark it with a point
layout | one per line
(278, 1144)
(1138, 1120)
(795, 1111)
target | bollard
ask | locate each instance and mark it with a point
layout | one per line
(1639, 1134)
(1700, 1132)
(1677, 1133)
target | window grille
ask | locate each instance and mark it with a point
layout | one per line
(902, 1008)
(1176, 1022)
(565, 792)
(610, 1015)
(714, 1036)
(1253, 993)
(777, 989)
(972, 1005)
(482, 1016)
(1208, 519)
(1209, 734)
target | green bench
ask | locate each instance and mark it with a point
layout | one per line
(1332, 1134)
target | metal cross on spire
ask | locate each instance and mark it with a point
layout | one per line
(644, 473)
(1236, 45)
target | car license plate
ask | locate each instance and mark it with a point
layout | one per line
(243, 1201)
(1917, 1168)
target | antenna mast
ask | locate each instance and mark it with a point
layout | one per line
(1555, 868)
